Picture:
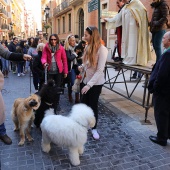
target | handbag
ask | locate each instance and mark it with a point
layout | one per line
(76, 86)
(77, 81)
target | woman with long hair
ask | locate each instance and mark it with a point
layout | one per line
(94, 59)
(72, 55)
(54, 57)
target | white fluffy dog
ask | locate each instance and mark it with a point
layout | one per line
(70, 131)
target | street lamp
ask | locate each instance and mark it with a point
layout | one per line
(47, 9)
(11, 25)
(36, 32)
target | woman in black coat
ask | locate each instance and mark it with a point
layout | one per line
(37, 65)
(158, 24)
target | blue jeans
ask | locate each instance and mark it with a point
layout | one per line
(5, 64)
(20, 67)
(157, 42)
(72, 77)
(2, 129)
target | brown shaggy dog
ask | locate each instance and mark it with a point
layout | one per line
(23, 116)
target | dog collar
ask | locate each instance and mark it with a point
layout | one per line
(81, 125)
(50, 104)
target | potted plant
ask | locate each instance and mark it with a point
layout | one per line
(11, 34)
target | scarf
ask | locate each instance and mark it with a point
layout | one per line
(74, 62)
(54, 48)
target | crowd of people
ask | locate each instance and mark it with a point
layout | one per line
(64, 63)
(88, 57)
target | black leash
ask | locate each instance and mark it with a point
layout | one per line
(30, 75)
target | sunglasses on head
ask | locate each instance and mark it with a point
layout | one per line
(70, 36)
(89, 29)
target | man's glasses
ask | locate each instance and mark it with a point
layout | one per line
(53, 39)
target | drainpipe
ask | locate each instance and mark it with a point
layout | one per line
(99, 16)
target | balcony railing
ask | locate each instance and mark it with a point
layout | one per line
(64, 4)
(3, 11)
(4, 26)
(73, 2)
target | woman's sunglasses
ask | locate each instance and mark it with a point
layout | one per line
(53, 39)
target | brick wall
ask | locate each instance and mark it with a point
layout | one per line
(93, 18)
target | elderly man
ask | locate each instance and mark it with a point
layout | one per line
(159, 85)
(135, 33)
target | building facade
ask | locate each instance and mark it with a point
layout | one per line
(4, 16)
(73, 16)
(16, 17)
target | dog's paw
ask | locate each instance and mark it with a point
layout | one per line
(16, 129)
(75, 162)
(81, 150)
(21, 143)
(30, 139)
(46, 148)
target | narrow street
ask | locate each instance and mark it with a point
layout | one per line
(124, 144)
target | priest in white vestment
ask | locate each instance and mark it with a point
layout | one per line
(135, 33)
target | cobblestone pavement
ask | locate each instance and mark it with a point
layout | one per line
(124, 143)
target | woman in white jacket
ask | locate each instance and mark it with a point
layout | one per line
(94, 60)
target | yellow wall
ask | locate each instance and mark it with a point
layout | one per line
(16, 10)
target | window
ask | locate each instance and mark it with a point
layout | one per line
(63, 24)
(104, 6)
(69, 22)
(58, 26)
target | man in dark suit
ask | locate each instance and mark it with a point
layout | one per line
(159, 85)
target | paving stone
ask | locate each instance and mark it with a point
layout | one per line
(142, 167)
(124, 142)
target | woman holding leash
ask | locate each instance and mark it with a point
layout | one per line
(94, 60)
(13, 57)
(54, 57)
(72, 55)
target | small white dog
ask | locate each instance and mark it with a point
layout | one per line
(70, 131)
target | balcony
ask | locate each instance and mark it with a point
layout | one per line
(3, 12)
(75, 2)
(63, 7)
(4, 26)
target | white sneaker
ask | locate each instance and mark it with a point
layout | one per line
(22, 74)
(19, 74)
(95, 134)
